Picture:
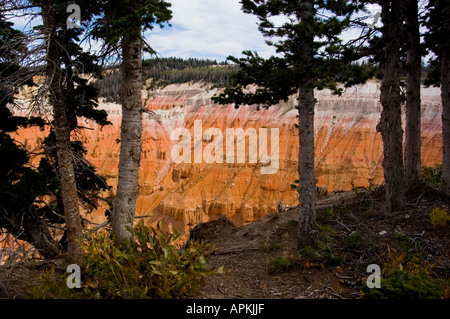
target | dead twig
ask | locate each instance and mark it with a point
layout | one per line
(338, 220)
(336, 294)
(225, 291)
(230, 252)
(355, 282)
(344, 277)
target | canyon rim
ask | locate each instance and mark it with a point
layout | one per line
(182, 194)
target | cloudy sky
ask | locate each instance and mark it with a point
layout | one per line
(211, 29)
(208, 29)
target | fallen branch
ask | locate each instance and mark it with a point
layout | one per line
(334, 293)
(108, 222)
(344, 277)
(229, 252)
(355, 282)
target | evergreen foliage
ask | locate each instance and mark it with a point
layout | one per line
(118, 18)
(312, 56)
(401, 284)
(159, 72)
(436, 40)
(23, 186)
(277, 78)
(19, 183)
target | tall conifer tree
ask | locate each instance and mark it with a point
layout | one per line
(390, 125)
(437, 41)
(70, 96)
(121, 26)
(413, 84)
(312, 56)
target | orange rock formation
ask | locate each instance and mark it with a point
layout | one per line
(348, 150)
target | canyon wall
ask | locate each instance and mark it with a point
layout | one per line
(348, 151)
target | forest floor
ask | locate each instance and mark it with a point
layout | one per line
(261, 260)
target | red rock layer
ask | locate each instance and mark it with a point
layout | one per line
(348, 150)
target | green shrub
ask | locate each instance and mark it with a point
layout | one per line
(330, 258)
(270, 247)
(152, 267)
(439, 217)
(404, 255)
(355, 189)
(405, 274)
(308, 252)
(327, 215)
(323, 255)
(353, 242)
(432, 175)
(281, 264)
(53, 286)
(401, 284)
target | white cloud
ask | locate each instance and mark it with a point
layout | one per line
(210, 29)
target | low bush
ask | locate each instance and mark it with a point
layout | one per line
(280, 264)
(323, 255)
(152, 267)
(439, 217)
(432, 175)
(401, 284)
(406, 275)
(354, 242)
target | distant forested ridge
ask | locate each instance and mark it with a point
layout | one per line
(159, 72)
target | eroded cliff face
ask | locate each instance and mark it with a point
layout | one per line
(348, 150)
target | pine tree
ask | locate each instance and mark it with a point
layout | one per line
(19, 184)
(312, 57)
(121, 25)
(437, 41)
(71, 96)
(54, 76)
(413, 84)
(390, 125)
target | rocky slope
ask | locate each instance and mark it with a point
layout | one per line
(348, 150)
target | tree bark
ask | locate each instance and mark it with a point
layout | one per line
(35, 231)
(413, 111)
(445, 95)
(308, 233)
(390, 124)
(62, 133)
(131, 131)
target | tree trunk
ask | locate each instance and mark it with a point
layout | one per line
(390, 124)
(63, 150)
(131, 131)
(413, 110)
(35, 231)
(445, 95)
(308, 234)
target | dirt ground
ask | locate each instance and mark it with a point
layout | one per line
(261, 260)
(243, 254)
